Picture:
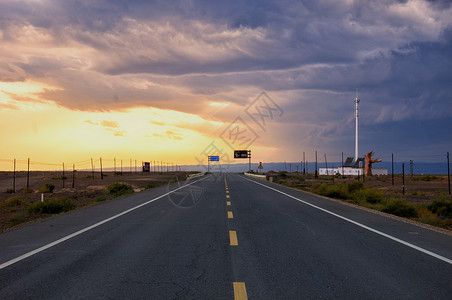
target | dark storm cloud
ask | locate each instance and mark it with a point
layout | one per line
(311, 55)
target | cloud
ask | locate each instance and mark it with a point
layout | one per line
(173, 135)
(92, 122)
(112, 124)
(114, 55)
(157, 123)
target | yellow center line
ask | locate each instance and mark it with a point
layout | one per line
(230, 216)
(240, 291)
(228, 203)
(227, 192)
(227, 196)
(233, 238)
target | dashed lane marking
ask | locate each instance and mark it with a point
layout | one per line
(240, 291)
(233, 238)
(230, 216)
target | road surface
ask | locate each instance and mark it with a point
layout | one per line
(224, 236)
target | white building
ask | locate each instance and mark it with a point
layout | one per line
(349, 171)
(351, 168)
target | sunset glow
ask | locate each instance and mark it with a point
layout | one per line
(83, 79)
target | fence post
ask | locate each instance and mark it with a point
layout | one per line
(304, 165)
(403, 178)
(316, 175)
(448, 171)
(392, 168)
(92, 167)
(63, 176)
(28, 174)
(14, 177)
(101, 172)
(73, 175)
(326, 165)
(343, 176)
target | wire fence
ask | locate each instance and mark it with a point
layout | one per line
(22, 170)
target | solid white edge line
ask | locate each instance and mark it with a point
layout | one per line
(59, 241)
(445, 259)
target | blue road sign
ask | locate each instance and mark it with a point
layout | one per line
(214, 158)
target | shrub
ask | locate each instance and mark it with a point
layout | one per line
(426, 177)
(101, 199)
(151, 185)
(26, 190)
(354, 186)
(47, 188)
(338, 191)
(400, 208)
(319, 188)
(368, 195)
(337, 175)
(119, 188)
(10, 191)
(282, 174)
(441, 206)
(13, 201)
(52, 206)
(17, 219)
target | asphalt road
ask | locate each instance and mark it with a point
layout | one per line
(223, 236)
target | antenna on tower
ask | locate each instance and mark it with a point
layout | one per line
(356, 125)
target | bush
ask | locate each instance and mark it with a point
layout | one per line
(368, 195)
(355, 186)
(151, 185)
(119, 189)
(47, 188)
(441, 206)
(51, 206)
(426, 177)
(17, 219)
(282, 174)
(13, 201)
(400, 208)
(26, 190)
(338, 191)
(319, 188)
(101, 199)
(10, 191)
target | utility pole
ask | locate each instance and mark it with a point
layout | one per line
(14, 177)
(304, 164)
(92, 167)
(73, 175)
(448, 171)
(28, 174)
(316, 175)
(342, 165)
(403, 178)
(63, 176)
(101, 172)
(392, 168)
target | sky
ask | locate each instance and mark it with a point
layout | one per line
(176, 81)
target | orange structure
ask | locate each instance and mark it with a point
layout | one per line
(369, 162)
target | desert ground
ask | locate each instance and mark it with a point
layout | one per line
(86, 190)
